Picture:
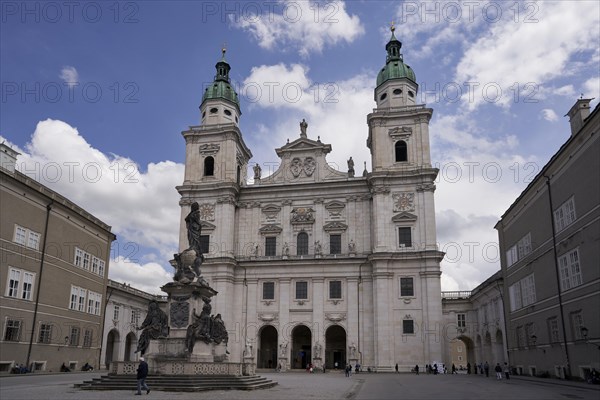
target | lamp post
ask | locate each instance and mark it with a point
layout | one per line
(584, 334)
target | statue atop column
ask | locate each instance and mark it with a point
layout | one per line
(257, 171)
(188, 262)
(351, 168)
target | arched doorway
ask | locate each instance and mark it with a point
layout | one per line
(469, 353)
(335, 347)
(499, 348)
(487, 349)
(301, 351)
(267, 347)
(112, 347)
(478, 350)
(130, 346)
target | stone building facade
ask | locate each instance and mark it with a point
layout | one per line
(549, 241)
(315, 265)
(53, 275)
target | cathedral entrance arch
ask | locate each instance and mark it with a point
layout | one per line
(130, 346)
(468, 355)
(301, 350)
(112, 347)
(267, 347)
(335, 347)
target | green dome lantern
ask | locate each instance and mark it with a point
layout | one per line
(221, 87)
(394, 64)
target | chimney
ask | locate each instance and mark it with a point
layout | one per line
(578, 113)
(8, 158)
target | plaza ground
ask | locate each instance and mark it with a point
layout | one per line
(332, 385)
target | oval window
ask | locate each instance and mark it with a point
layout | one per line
(227, 112)
(214, 110)
(397, 91)
(383, 96)
(411, 94)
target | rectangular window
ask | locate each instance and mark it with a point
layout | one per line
(514, 292)
(135, 317)
(87, 338)
(461, 320)
(20, 235)
(404, 237)
(524, 246)
(335, 289)
(86, 261)
(553, 330)
(576, 324)
(529, 333)
(95, 265)
(528, 290)
(81, 300)
(73, 301)
(511, 256)
(77, 301)
(570, 271)
(78, 257)
(13, 330)
(407, 287)
(28, 279)
(100, 267)
(116, 313)
(270, 246)
(301, 290)
(74, 336)
(268, 290)
(14, 279)
(204, 243)
(97, 297)
(520, 336)
(45, 333)
(90, 307)
(565, 215)
(33, 241)
(408, 326)
(335, 244)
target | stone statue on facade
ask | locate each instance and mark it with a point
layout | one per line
(318, 249)
(257, 171)
(303, 126)
(218, 332)
(352, 350)
(317, 350)
(193, 225)
(286, 249)
(351, 168)
(351, 246)
(155, 325)
(282, 349)
(248, 348)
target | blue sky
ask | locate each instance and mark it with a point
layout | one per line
(95, 94)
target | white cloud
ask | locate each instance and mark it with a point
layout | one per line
(542, 54)
(306, 26)
(549, 115)
(142, 207)
(148, 277)
(591, 89)
(69, 75)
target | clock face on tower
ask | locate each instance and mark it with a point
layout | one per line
(207, 212)
(404, 202)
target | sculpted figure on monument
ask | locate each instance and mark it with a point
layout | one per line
(200, 328)
(303, 126)
(218, 332)
(155, 325)
(194, 228)
(188, 262)
(257, 171)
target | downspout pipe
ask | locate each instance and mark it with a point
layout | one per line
(39, 285)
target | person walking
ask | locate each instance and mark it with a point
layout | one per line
(396, 367)
(498, 370)
(486, 368)
(469, 368)
(417, 369)
(142, 373)
(453, 369)
(506, 371)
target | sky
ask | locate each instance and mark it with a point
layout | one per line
(95, 95)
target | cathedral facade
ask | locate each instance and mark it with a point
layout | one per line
(313, 265)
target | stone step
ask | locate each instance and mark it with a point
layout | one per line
(179, 383)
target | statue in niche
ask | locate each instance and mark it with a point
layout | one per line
(352, 350)
(283, 349)
(317, 350)
(351, 168)
(286, 249)
(257, 171)
(318, 248)
(303, 126)
(352, 246)
(248, 348)
(155, 325)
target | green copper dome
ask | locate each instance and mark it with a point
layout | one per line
(221, 88)
(394, 65)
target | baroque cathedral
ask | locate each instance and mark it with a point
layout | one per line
(313, 265)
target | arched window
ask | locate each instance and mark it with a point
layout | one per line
(401, 151)
(238, 174)
(209, 166)
(302, 244)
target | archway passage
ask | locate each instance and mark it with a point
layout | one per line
(301, 350)
(335, 347)
(267, 350)
(112, 348)
(467, 356)
(130, 346)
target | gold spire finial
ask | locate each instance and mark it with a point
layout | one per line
(392, 27)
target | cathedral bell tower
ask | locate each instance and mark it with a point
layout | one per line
(216, 163)
(403, 214)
